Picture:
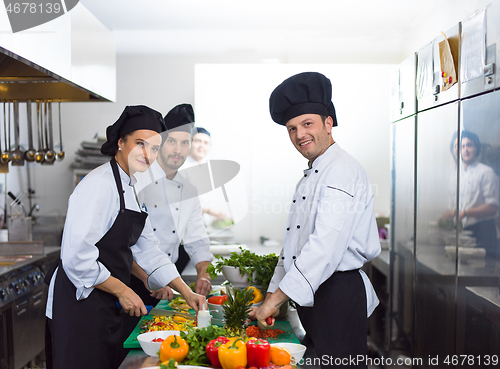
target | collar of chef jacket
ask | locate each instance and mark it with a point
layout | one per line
(332, 149)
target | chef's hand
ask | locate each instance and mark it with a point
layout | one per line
(164, 293)
(203, 286)
(264, 311)
(197, 302)
(270, 308)
(132, 304)
(128, 299)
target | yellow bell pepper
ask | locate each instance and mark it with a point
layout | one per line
(233, 353)
(173, 347)
(257, 295)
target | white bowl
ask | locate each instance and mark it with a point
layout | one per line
(152, 348)
(216, 311)
(232, 274)
(297, 350)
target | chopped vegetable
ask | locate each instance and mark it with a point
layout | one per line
(172, 364)
(167, 323)
(255, 331)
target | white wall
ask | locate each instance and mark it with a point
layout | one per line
(232, 102)
(164, 81)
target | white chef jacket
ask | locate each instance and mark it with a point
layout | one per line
(92, 209)
(331, 227)
(479, 185)
(175, 213)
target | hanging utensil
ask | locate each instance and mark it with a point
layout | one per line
(10, 151)
(50, 155)
(18, 159)
(29, 154)
(40, 154)
(60, 154)
(5, 153)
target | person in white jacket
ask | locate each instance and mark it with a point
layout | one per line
(331, 229)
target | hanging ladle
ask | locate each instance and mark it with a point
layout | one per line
(50, 155)
(5, 154)
(40, 154)
(29, 155)
(60, 154)
(17, 157)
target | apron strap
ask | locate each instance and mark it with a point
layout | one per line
(118, 181)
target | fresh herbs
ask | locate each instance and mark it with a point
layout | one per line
(247, 262)
(197, 340)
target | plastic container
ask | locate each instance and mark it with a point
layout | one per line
(204, 318)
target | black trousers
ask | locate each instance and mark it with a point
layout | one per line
(337, 324)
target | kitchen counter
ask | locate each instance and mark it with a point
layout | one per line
(137, 359)
(48, 252)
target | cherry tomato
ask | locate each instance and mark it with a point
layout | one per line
(241, 367)
(157, 340)
(217, 300)
(269, 320)
(253, 367)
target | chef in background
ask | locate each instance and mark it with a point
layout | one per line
(212, 202)
(331, 229)
(105, 231)
(479, 194)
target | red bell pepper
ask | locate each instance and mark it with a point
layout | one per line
(212, 350)
(258, 353)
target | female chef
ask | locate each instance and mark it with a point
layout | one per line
(104, 232)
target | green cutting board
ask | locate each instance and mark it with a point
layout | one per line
(132, 343)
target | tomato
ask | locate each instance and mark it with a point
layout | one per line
(217, 300)
(157, 340)
(269, 320)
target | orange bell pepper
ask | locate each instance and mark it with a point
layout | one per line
(280, 356)
(173, 347)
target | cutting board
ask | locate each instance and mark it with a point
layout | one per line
(132, 343)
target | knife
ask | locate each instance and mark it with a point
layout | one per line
(160, 312)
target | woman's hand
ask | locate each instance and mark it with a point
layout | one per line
(128, 299)
(197, 302)
(164, 293)
(132, 304)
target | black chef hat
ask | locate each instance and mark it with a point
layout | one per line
(180, 118)
(200, 130)
(303, 93)
(132, 119)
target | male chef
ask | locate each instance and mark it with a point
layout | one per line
(171, 201)
(331, 230)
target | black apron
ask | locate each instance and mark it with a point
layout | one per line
(337, 325)
(88, 333)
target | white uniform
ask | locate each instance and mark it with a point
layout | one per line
(175, 213)
(331, 227)
(92, 210)
(479, 185)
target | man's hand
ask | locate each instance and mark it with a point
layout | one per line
(164, 293)
(203, 286)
